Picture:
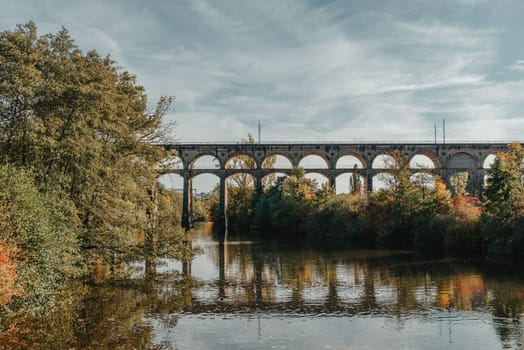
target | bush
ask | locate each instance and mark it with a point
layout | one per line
(43, 228)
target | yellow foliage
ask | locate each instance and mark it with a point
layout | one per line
(167, 199)
(468, 208)
(442, 194)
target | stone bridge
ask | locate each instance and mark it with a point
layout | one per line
(446, 160)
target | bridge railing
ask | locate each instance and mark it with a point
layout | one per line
(450, 142)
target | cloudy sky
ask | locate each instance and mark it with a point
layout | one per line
(311, 70)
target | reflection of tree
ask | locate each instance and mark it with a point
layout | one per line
(508, 306)
(461, 291)
(369, 300)
(222, 268)
(258, 266)
(104, 317)
(267, 278)
(406, 288)
(332, 295)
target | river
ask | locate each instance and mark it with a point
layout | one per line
(248, 293)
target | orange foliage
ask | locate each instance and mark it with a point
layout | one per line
(460, 291)
(467, 206)
(8, 274)
(442, 194)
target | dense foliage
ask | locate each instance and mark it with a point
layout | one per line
(503, 215)
(412, 212)
(43, 231)
(76, 141)
(406, 215)
(241, 193)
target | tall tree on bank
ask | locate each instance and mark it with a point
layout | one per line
(81, 125)
(503, 215)
(241, 192)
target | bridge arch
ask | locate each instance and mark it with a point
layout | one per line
(424, 161)
(462, 160)
(205, 161)
(205, 182)
(319, 178)
(350, 161)
(171, 163)
(240, 161)
(465, 162)
(241, 179)
(424, 179)
(344, 185)
(382, 181)
(488, 161)
(172, 181)
(383, 161)
(270, 179)
(314, 161)
(282, 161)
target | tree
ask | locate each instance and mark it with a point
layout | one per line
(408, 211)
(503, 215)
(81, 125)
(242, 180)
(355, 184)
(39, 233)
(288, 204)
(240, 191)
(459, 183)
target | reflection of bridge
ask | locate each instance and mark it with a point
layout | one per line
(447, 160)
(263, 277)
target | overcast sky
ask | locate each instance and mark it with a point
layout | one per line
(311, 70)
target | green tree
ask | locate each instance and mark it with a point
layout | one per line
(403, 206)
(355, 183)
(287, 206)
(81, 125)
(241, 191)
(410, 210)
(44, 228)
(170, 231)
(459, 183)
(503, 215)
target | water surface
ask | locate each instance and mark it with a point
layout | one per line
(246, 293)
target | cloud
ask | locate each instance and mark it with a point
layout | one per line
(352, 71)
(518, 66)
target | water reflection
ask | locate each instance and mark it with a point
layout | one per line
(254, 276)
(244, 294)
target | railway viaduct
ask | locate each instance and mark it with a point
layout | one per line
(447, 160)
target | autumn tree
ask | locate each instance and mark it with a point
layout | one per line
(355, 183)
(411, 211)
(401, 204)
(503, 215)
(81, 125)
(39, 237)
(288, 204)
(459, 183)
(241, 191)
